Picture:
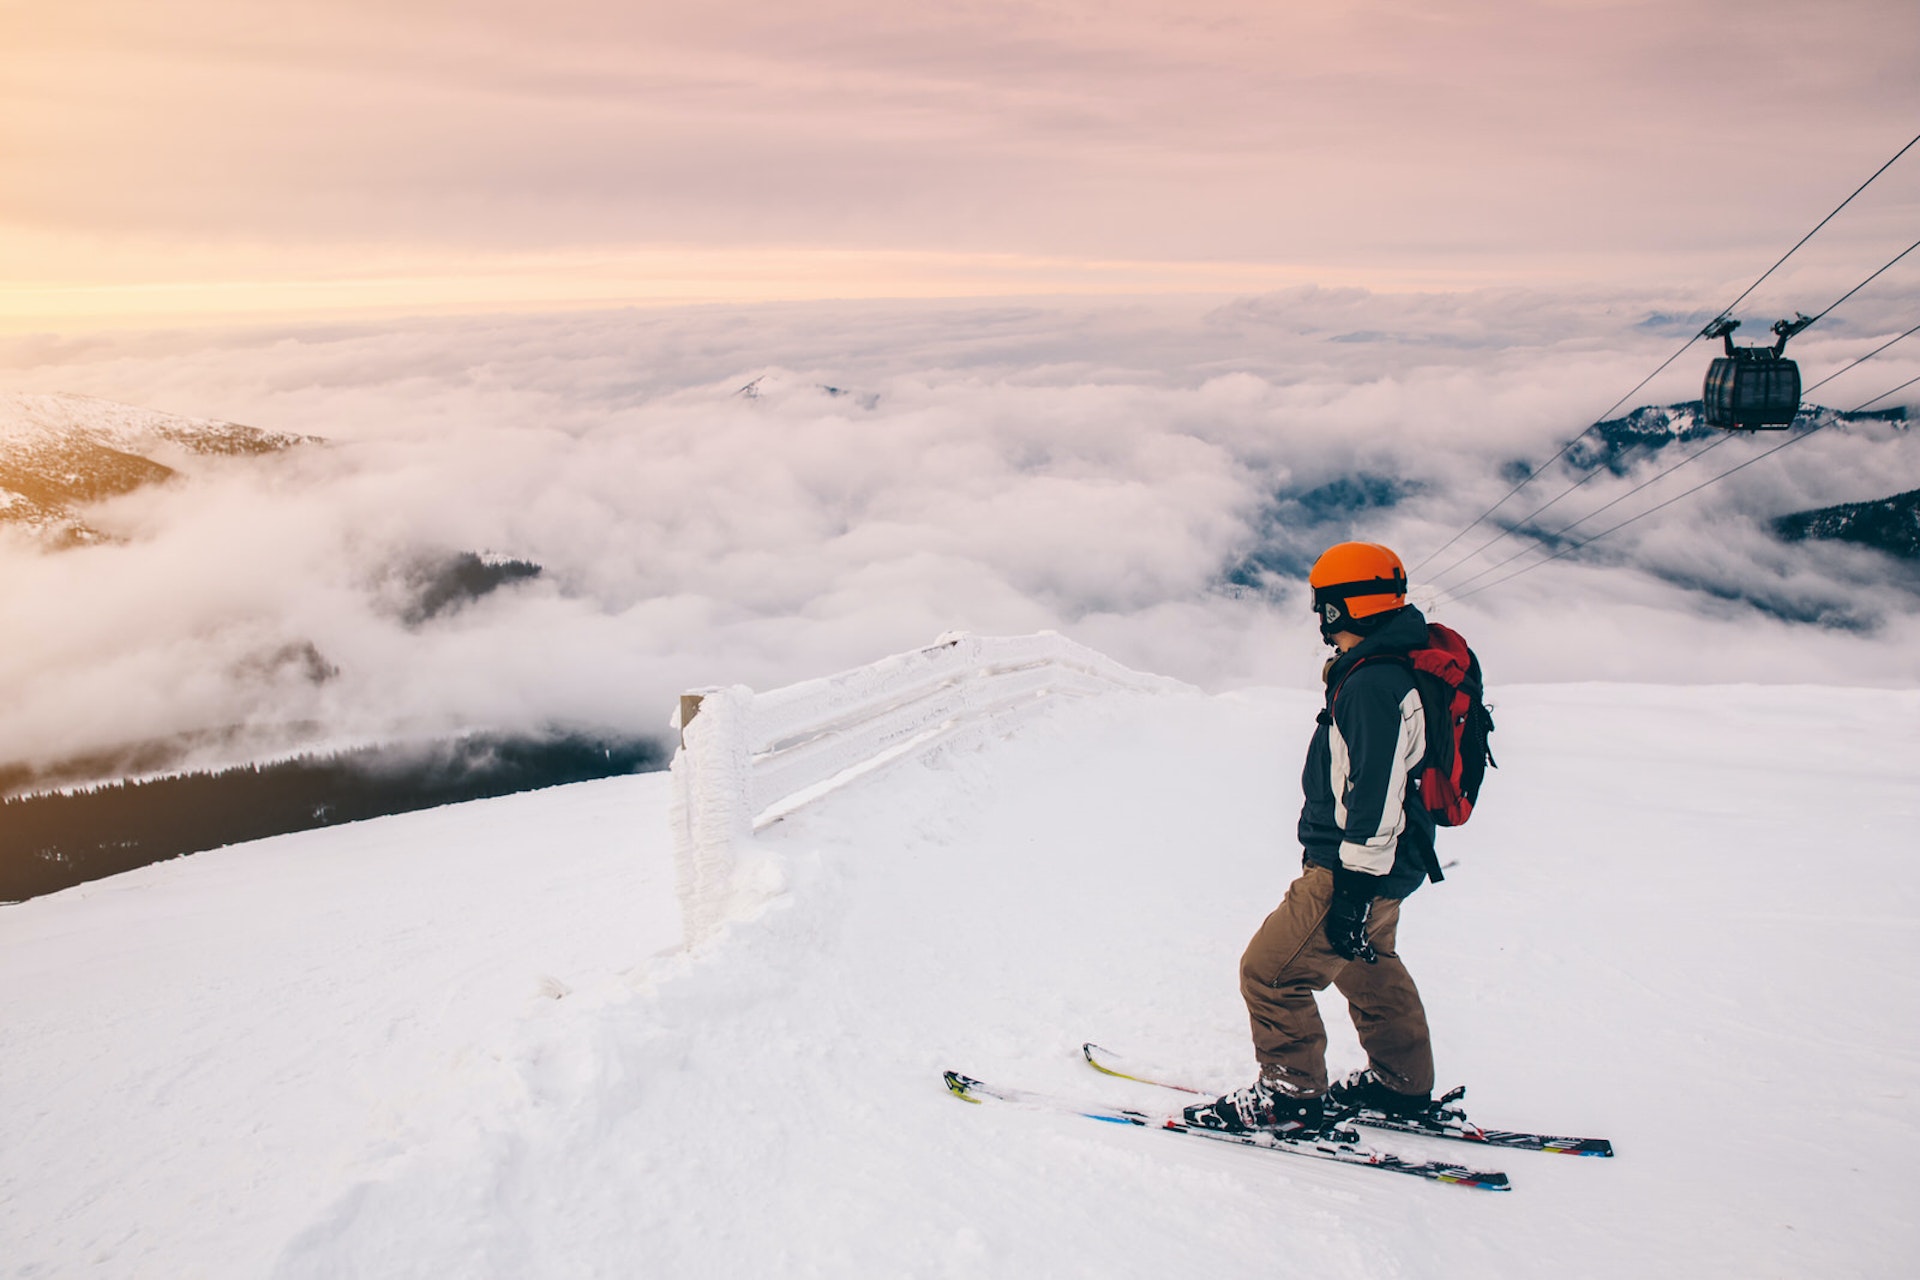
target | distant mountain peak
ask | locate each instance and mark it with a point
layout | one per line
(60, 452)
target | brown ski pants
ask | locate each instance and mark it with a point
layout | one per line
(1289, 959)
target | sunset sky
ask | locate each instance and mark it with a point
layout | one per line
(210, 159)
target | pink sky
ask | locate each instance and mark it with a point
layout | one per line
(223, 158)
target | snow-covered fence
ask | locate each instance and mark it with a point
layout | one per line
(748, 759)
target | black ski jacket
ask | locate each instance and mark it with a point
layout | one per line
(1362, 810)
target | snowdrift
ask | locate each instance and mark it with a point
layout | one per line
(471, 1042)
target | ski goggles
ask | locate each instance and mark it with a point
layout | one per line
(1330, 602)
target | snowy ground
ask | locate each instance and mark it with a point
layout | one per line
(456, 1043)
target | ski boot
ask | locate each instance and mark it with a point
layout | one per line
(1364, 1091)
(1264, 1108)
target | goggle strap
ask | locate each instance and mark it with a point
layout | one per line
(1344, 591)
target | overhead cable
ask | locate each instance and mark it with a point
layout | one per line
(1784, 444)
(1864, 283)
(1863, 359)
(1562, 451)
(1540, 543)
(1823, 222)
(1558, 454)
(1520, 525)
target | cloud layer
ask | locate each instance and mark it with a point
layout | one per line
(894, 472)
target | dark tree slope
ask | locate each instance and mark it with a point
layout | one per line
(1891, 524)
(57, 839)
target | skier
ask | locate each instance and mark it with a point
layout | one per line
(1368, 843)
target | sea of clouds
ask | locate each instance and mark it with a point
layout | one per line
(758, 495)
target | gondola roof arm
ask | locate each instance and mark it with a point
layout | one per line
(1787, 328)
(1722, 328)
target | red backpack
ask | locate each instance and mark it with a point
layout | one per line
(1458, 724)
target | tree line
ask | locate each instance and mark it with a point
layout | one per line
(54, 840)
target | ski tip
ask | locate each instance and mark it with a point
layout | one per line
(1580, 1147)
(1093, 1053)
(961, 1087)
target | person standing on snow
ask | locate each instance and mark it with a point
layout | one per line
(1368, 843)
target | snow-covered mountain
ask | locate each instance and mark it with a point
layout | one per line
(61, 455)
(463, 1042)
(1297, 521)
(60, 452)
(1618, 442)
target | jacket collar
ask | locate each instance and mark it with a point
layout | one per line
(1405, 630)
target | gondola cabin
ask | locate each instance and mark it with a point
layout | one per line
(1752, 387)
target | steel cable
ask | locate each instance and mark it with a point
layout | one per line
(1564, 448)
(1527, 519)
(1540, 544)
(1864, 283)
(1784, 444)
(1863, 359)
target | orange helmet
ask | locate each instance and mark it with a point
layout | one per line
(1353, 581)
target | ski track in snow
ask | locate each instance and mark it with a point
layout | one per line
(1683, 919)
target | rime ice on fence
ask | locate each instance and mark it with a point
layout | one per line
(710, 814)
(747, 759)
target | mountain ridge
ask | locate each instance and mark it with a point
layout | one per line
(60, 452)
(1890, 524)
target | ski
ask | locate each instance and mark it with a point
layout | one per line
(968, 1089)
(1444, 1120)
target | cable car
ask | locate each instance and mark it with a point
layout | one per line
(1753, 387)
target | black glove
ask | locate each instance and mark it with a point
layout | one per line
(1349, 914)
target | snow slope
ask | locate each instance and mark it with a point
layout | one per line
(1683, 919)
(201, 1053)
